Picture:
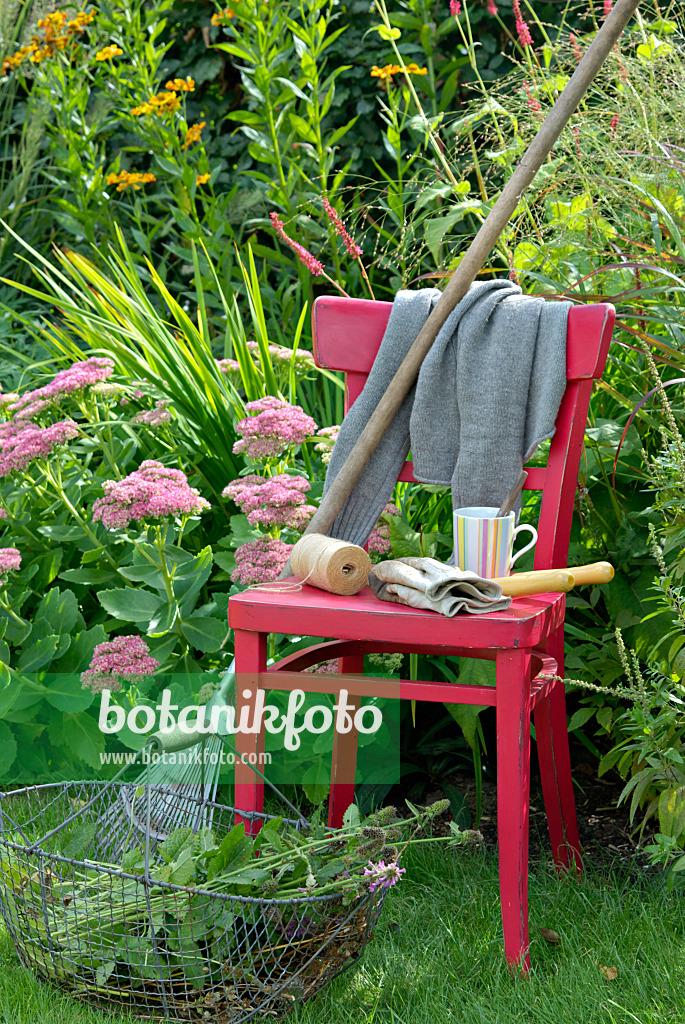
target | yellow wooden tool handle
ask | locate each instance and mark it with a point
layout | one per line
(554, 581)
(549, 581)
(597, 572)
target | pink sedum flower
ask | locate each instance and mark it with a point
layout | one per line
(154, 417)
(324, 668)
(228, 365)
(312, 264)
(330, 435)
(126, 658)
(260, 561)
(66, 382)
(152, 491)
(304, 360)
(22, 441)
(272, 501)
(10, 561)
(276, 425)
(379, 541)
(382, 875)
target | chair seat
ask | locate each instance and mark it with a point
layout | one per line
(313, 612)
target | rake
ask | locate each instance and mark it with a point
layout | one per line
(178, 796)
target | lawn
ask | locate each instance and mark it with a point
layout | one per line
(437, 954)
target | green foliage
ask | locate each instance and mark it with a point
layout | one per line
(197, 933)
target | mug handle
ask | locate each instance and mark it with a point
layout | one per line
(526, 547)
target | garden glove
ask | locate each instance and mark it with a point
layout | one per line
(427, 583)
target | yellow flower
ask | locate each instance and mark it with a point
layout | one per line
(162, 102)
(52, 21)
(193, 134)
(181, 85)
(81, 19)
(57, 35)
(126, 179)
(108, 53)
(219, 19)
(202, 179)
(385, 72)
(394, 69)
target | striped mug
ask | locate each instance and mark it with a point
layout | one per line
(483, 542)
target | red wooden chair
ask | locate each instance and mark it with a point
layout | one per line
(526, 642)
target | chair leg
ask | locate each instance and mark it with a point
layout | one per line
(513, 788)
(555, 770)
(344, 760)
(250, 660)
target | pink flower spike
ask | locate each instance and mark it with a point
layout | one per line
(577, 52)
(613, 126)
(492, 7)
(455, 8)
(608, 7)
(533, 103)
(124, 658)
(524, 35)
(351, 246)
(576, 135)
(309, 261)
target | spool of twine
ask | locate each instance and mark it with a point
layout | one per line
(330, 564)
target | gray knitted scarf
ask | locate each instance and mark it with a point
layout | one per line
(487, 394)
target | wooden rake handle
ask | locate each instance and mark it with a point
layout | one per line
(471, 262)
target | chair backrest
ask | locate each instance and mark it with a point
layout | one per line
(347, 336)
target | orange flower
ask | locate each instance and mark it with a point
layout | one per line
(108, 53)
(385, 72)
(220, 18)
(126, 179)
(193, 134)
(394, 69)
(57, 34)
(161, 102)
(181, 85)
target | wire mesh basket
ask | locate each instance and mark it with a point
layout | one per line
(162, 951)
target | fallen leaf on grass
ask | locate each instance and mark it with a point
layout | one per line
(609, 973)
(554, 938)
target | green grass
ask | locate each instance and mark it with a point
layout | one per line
(437, 955)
